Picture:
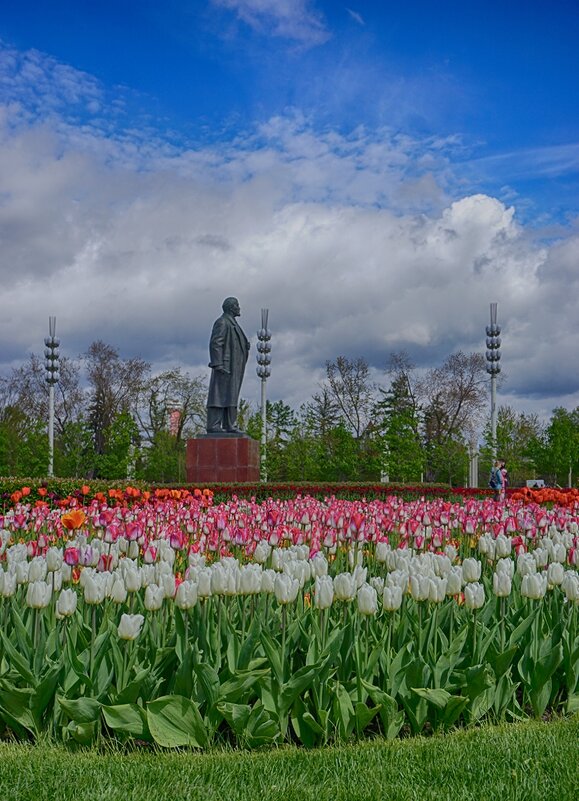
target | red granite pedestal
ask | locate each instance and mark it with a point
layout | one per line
(222, 459)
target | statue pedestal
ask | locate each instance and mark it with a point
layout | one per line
(221, 459)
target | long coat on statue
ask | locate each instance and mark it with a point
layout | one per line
(229, 349)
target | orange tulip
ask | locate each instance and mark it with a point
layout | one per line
(42, 491)
(85, 489)
(73, 520)
(25, 491)
(16, 496)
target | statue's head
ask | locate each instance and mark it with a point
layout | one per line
(231, 306)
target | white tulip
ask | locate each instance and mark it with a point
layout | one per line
(506, 566)
(454, 581)
(360, 574)
(502, 584)
(38, 594)
(186, 595)
(54, 559)
(95, 588)
(419, 587)
(204, 582)
(474, 595)
(323, 592)
(437, 589)
(392, 598)
(268, 580)
(66, 603)
(503, 546)
(250, 579)
(534, 586)
(570, 585)
(130, 626)
(471, 570)
(8, 587)
(118, 592)
(555, 574)
(382, 550)
(154, 597)
(367, 600)
(526, 564)
(319, 565)
(378, 583)
(262, 552)
(286, 588)
(132, 579)
(344, 587)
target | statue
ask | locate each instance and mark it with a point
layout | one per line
(228, 352)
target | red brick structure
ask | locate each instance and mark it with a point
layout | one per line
(222, 459)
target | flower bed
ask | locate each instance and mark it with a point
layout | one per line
(165, 616)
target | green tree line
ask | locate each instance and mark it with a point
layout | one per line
(114, 419)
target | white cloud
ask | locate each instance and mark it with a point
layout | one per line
(288, 19)
(359, 244)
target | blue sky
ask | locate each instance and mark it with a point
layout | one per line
(415, 159)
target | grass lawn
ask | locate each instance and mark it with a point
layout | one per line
(525, 761)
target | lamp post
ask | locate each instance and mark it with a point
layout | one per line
(493, 368)
(52, 376)
(263, 371)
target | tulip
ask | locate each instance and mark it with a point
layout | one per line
(37, 569)
(250, 579)
(454, 581)
(419, 587)
(8, 584)
(118, 593)
(526, 564)
(94, 587)
(534, 586)
(38, 595)
(474, 595)
(382, 550)
(555, 574)
(392, 598)
(503, 546)
(367, 600)
(262, 552)
(268, 580)
(285, 588)
(506, 566)
(570, 586)
(437, 589)
(502, 584)
(204, 582)
(130, 626)
(323, 592)
(344, 587)
(132, 579)
(154, 597)
(186, 595)
(471, 570)
(66, 603)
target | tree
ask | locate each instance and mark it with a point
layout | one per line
(520, 441)
(453, 397)
(350, 387)
(403, 456)
(562, 441)
(115, 385)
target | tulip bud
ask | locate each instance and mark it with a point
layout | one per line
(38, 595)
(534, 586)
(570, 586)
(555, 574)
(419, 587)
(118, 593)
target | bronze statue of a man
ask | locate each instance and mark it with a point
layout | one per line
(228, 352)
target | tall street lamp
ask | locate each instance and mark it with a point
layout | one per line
(493, 368)
(263, 371)
(52, 377)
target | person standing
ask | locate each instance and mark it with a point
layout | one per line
(496, 480)
(504, 480)
(228, 353)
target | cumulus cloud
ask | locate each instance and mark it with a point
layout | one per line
(359, 244)
(288, 19)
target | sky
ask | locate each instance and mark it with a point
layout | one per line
(373, 173)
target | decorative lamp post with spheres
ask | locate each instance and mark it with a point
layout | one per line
(493, 356)
(263, 371)
(52, 377)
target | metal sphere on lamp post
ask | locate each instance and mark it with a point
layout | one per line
(263, 371)
(52, 357)
(493, 356)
